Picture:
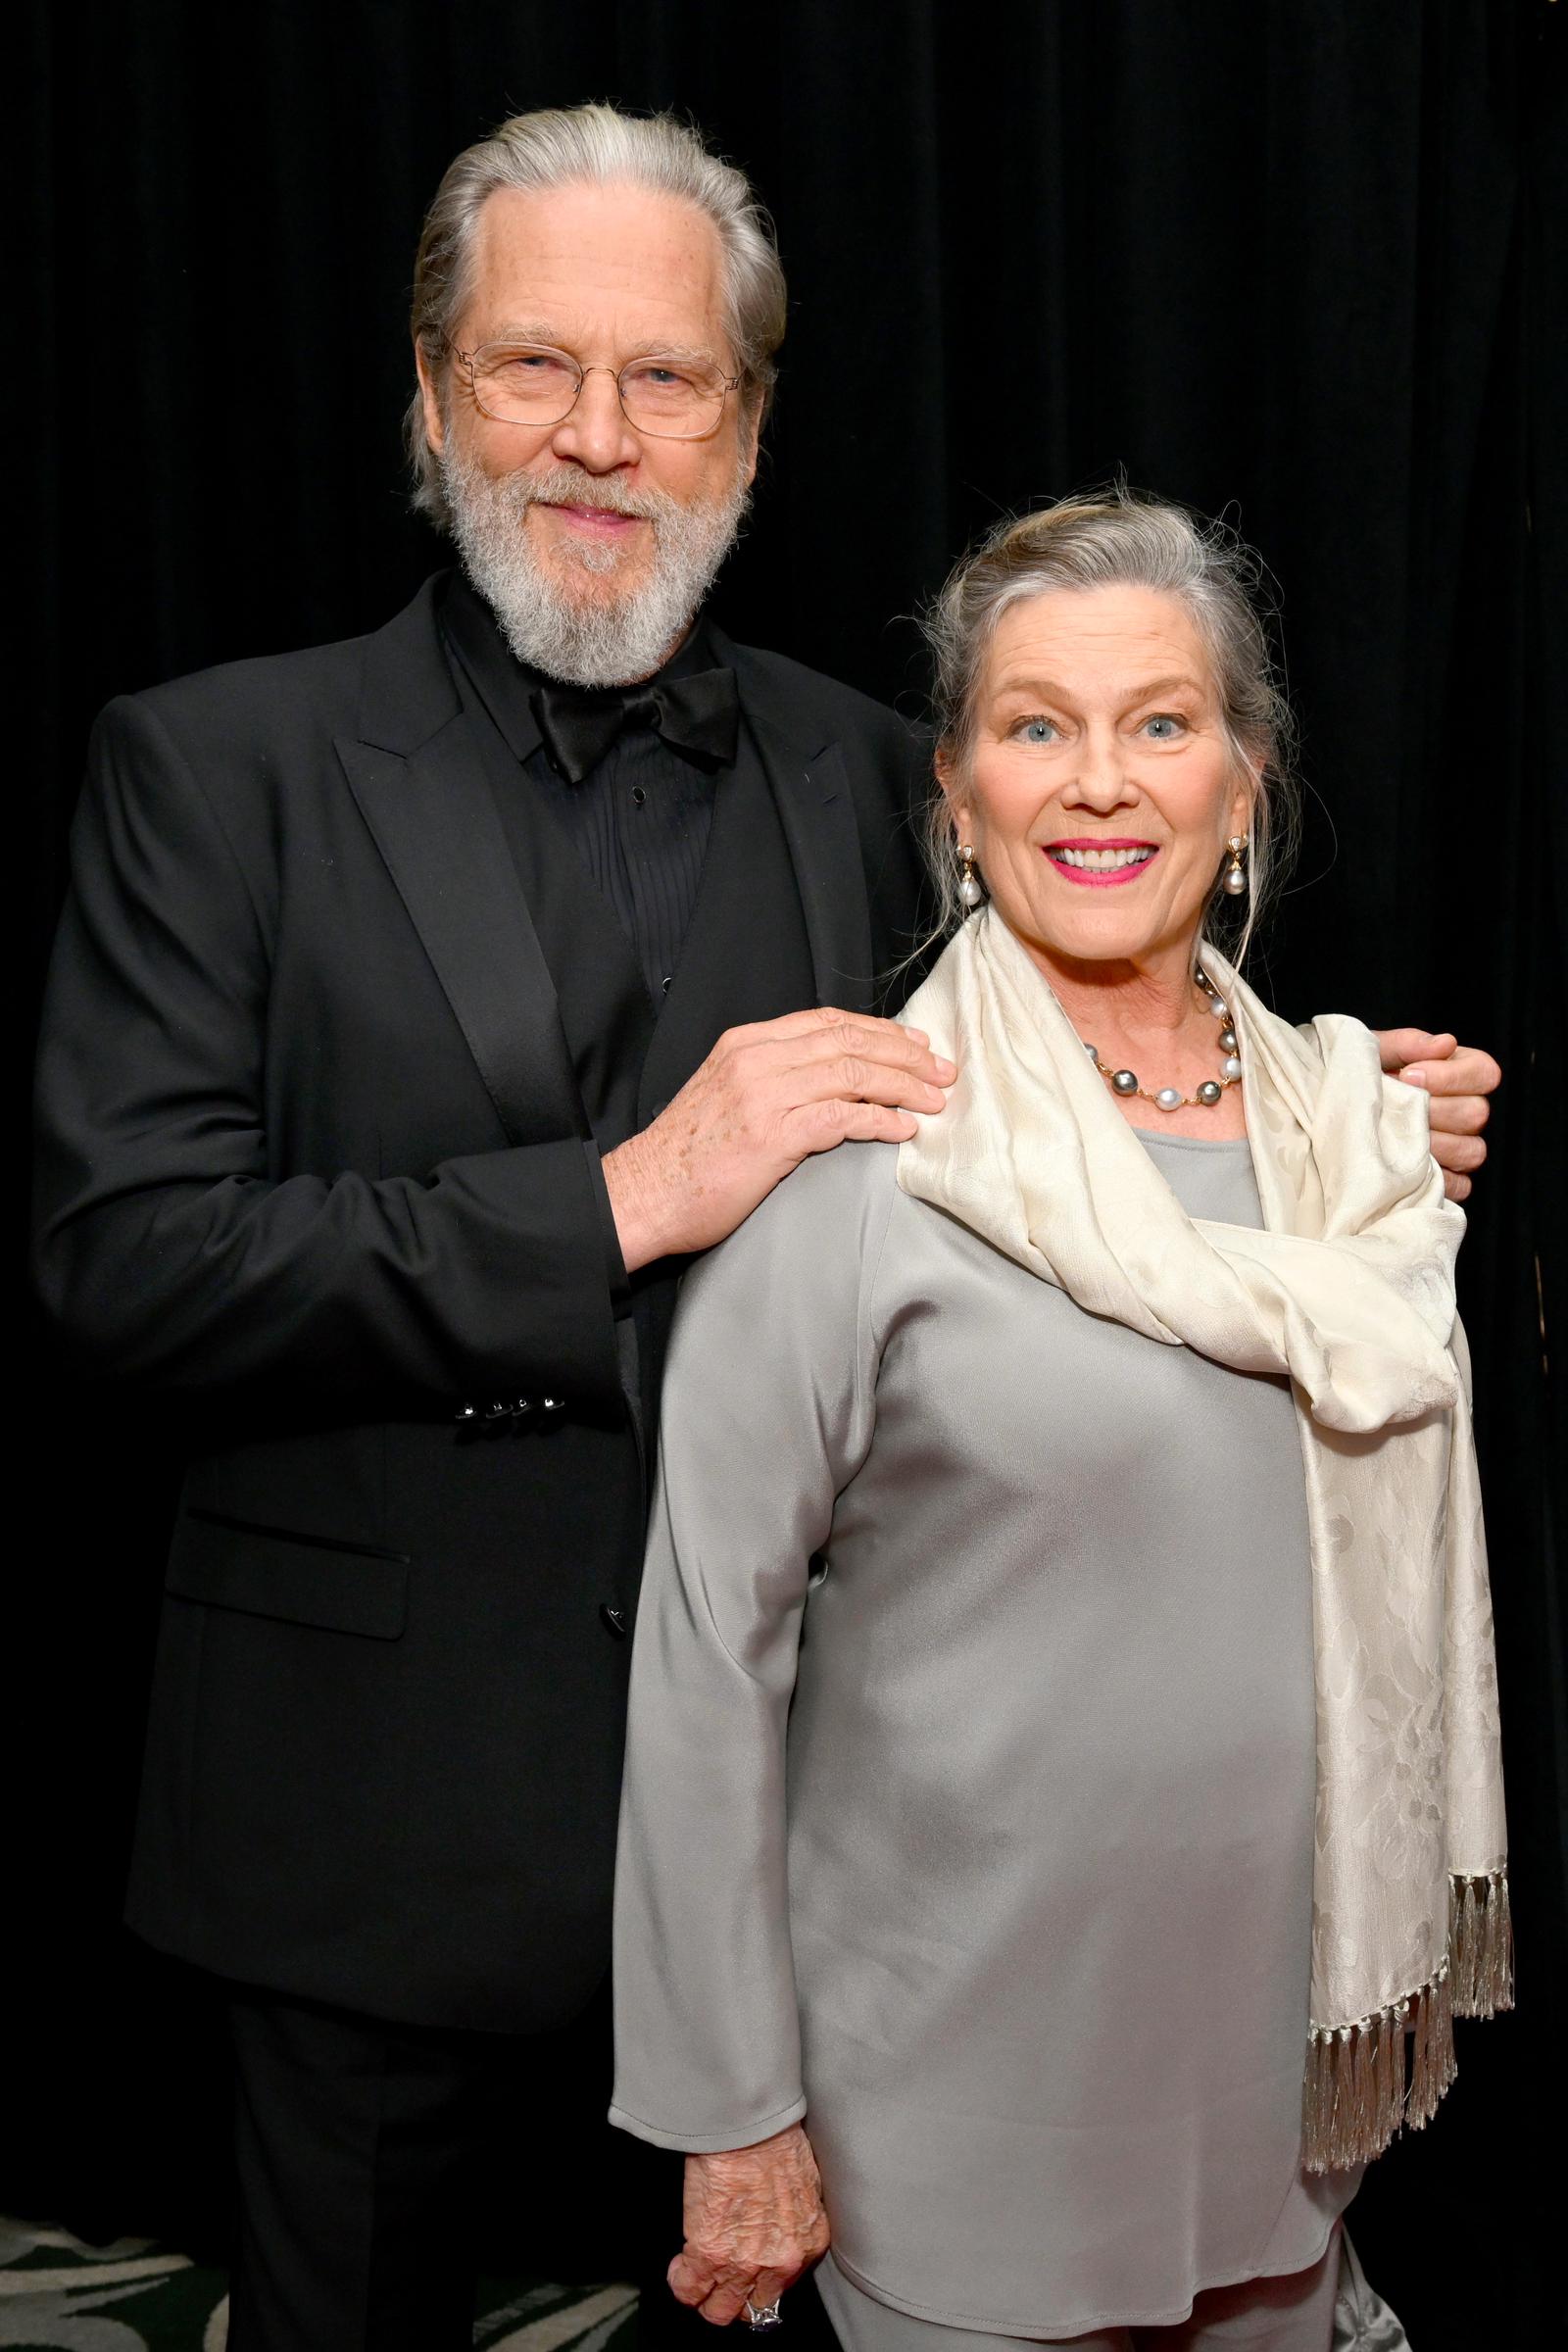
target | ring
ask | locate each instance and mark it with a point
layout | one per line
(769, 2317)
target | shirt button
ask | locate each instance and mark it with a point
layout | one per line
(638, 794)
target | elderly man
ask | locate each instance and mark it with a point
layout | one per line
(422, 1004)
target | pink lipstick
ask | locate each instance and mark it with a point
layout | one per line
(1100, 861)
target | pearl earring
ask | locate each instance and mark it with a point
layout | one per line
(969, 889)
(1235, 883)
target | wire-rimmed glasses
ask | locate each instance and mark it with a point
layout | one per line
(672, 396)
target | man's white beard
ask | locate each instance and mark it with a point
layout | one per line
(585, 638)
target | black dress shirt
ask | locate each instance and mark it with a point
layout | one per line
(640, 819)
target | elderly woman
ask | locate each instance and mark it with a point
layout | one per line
(1063, 1702)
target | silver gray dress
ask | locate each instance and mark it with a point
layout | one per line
(970, 1774)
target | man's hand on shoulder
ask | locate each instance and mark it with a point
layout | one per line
(766, 1097)
(1458, 1079)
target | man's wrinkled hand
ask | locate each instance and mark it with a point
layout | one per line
(766, 1097)
(754, 2223)
(1457, 1079)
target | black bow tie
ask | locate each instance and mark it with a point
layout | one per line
(700, 715)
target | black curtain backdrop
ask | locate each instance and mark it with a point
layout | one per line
(1297, 264)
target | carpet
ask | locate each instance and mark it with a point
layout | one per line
(60, 2295)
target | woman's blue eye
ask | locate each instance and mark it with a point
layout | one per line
(1038, 730)
(1162, 727)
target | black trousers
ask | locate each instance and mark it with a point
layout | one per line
(381, 2167)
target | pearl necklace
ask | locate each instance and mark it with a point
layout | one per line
(1171, 1098)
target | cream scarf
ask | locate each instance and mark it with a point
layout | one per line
(1349, 1290)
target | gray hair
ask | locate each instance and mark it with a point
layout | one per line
(1121, 538)
(594, 146)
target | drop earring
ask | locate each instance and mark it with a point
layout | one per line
(969, 889)
(1235, 883)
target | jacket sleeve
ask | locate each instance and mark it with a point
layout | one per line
(166, 1251)
(769, 1409)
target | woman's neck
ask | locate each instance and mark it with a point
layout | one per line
(1149, 1015)
(1154, 998)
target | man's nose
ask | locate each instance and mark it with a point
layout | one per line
(595, 434)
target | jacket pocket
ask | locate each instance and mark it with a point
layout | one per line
(232, 1563)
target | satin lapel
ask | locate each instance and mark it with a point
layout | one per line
(818, 813)
(433, 819)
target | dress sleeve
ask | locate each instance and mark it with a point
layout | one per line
(769, 1409)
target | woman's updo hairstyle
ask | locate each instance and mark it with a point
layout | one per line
(1121, 538)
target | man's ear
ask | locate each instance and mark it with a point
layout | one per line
(429, 393)
(750, 423)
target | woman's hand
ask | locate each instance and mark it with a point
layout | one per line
(754, 2223)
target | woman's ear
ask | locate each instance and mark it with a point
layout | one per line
(1244, 802)
(957, 805)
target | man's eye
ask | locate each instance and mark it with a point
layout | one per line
(661, 375)
(1163, 727)
(532, 367)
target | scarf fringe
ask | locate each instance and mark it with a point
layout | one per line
(1356, 2096)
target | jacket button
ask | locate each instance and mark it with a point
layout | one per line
(614, 1621)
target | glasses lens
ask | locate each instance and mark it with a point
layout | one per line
(519, 385)
(679, 398)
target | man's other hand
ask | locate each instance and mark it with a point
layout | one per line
(1458, 1079)
(766, 1097)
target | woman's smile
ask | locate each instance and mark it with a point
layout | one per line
(1100, 864)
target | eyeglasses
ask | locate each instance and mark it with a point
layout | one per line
(530, 383)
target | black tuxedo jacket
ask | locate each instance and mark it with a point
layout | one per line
(317, 1158)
